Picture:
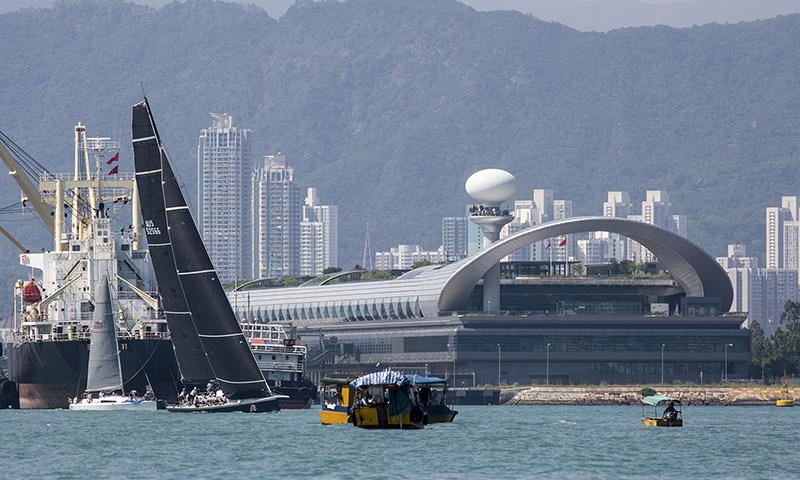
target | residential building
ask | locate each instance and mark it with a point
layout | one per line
(543, 205)
(743, 273)
(563, 247)
(403, 257)
(454, 238)
(523, 218)
(319, 235)
(276, 219)
(618, 204)
(224, 164)
(593, 249)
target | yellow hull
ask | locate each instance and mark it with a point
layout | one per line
(784, 403)
(660, 422)
(372, 417)
(330, 417)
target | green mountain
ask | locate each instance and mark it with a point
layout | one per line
(387, 106)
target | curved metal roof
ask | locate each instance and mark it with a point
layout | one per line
(691, 267)
(435, 288)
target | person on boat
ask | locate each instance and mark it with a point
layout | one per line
(425, 395)
(366, 398)
(220, 395)
(670, 413)
(101, 395)
(182, 397)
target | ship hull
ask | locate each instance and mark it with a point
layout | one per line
(299, 394)
(48, 374)
(251, 405)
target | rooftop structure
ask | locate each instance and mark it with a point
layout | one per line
(435, 290)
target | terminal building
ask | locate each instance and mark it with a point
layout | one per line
(476, 323)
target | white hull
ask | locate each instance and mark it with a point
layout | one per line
(114, 403)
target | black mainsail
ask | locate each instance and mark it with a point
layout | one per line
(192, 362)
(226, 349)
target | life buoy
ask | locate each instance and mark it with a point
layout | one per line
(274, 364)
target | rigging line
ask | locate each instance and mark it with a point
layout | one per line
(8, 142)
(153, 352)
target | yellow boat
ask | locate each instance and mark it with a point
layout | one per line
(432, 395)
(672, 416)
(337, 397)
(784, 401)
(385, 400)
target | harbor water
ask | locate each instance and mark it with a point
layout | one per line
(483, 442)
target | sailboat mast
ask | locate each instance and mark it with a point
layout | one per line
(116, 337)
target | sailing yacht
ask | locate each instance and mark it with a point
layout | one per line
(208, 340)
(104, 375)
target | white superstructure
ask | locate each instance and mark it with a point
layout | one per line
(96, 233)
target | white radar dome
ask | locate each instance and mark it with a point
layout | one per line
(491, 186)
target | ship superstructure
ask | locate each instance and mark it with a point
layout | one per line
(93, 216)
(89, 241)
(282, 360)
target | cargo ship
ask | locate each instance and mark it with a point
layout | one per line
(93, 217)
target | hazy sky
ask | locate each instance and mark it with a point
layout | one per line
(579, 14)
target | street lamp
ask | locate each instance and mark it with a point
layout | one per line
(498, 365)
(455, 330)
(547, 371)
(726, 360)
(662, 364)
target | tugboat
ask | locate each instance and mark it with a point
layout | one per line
(48, 344)
(208, 340)
(282, 361)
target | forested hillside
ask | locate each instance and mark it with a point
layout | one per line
(386, 106)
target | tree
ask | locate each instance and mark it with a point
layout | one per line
(778, 354)
(377, 275)
(421, 263)
(759, 350)
(330, 270)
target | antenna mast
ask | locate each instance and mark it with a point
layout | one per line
(366, 260)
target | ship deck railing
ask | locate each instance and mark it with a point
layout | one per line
(278, 349)
(281, 366)
(85, 335)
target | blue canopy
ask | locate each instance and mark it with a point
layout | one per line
(423, 380)
(385, 377)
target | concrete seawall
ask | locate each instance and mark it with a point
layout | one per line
(629, 395)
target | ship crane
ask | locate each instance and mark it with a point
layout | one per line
(58, 197)
(25, 182)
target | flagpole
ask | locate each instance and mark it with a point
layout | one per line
(550, 252)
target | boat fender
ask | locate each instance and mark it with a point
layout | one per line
(274, 364)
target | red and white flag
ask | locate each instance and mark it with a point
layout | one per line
(113, 159)
(562, 242)
(114, 170)
(548, 245)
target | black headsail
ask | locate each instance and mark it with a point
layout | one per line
(189, 352)
(226, 347)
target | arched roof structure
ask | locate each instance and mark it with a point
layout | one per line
(692, 268)
(428, 291)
